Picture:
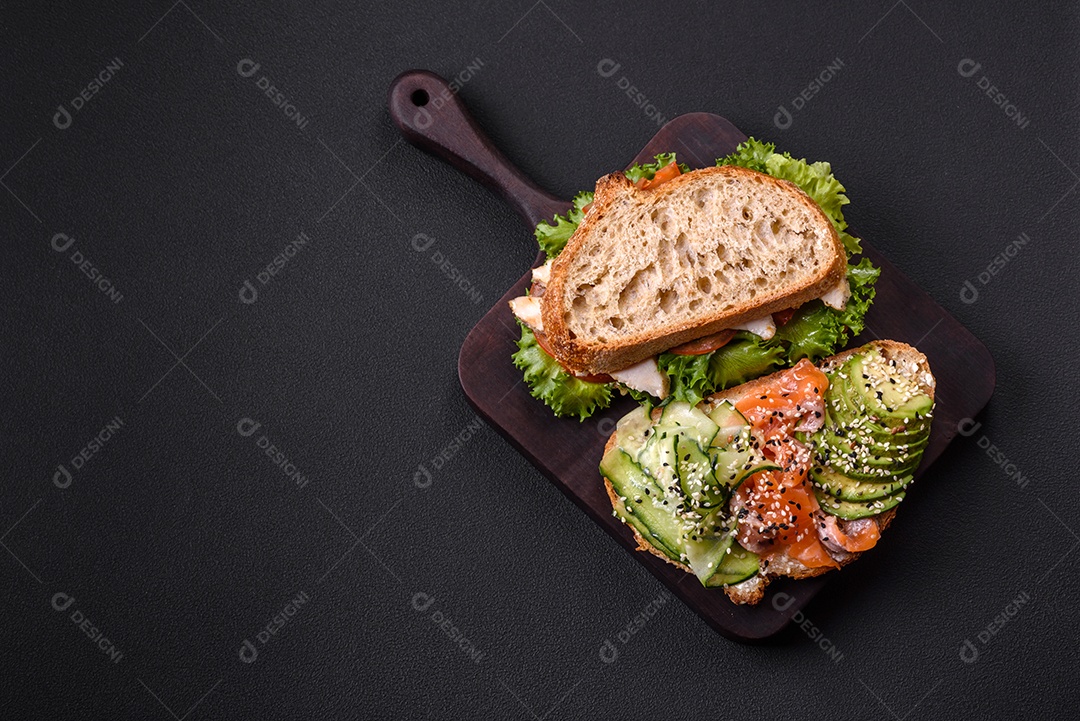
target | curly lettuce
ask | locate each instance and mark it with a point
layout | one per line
(547, 381)
(552, 238)
(816, 330)
(743, 358)
(648, 170)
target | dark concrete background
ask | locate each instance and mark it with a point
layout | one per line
(180, 539)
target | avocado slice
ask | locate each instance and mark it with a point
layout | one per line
(853, 449)
(836, 485)
(850, 411)
(884, 390)
(846, 398)
(851, 510)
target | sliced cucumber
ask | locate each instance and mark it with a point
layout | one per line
(738, 565)
(638, 524)
(706, 556)
(643, 507)
(633, 431)
(695, 470)
(731, 467)
(657, 456)
(730, 421)
(689, 420)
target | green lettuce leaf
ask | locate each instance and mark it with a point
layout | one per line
(562, 392)
(648, 170)
(816, 180)
(744, 358)
(813, 332)
(688, 374)
(861, 277)
(816, 331)
(552, 238)
(646, 399)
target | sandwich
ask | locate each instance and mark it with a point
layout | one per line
(794, 474)
(666, 283)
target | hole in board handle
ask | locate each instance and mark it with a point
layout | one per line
(419, 97)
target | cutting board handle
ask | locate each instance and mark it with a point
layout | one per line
(430, 115)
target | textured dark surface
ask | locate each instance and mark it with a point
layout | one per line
(180, 539)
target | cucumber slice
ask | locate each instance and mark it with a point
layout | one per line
(657, 456)
(732, 466)
(851, 510)
(689, 420)
(633, 431)
(738, 565)
(730, 421)
(706, 556)
(634, 521)
(716, 523)
(644, 507)
(695, 470)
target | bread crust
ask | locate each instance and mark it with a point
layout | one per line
(585, 358)
(752, 590)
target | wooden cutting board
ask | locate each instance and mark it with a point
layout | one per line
(431, 117)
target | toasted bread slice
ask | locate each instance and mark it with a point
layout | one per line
(649, 269)
(910, 362)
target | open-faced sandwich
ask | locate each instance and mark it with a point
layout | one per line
(793, 474)
(668, 282)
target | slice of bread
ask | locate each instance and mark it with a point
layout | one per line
(910, 362)
(649, 269)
